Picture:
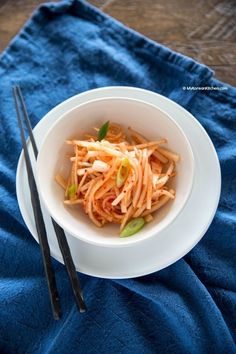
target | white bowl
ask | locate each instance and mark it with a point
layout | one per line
(141, 116)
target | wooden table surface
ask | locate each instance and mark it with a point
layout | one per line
(203, 30)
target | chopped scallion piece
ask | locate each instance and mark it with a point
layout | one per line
(103, 131)
(132, 227)
(123, 172)
(72, 191)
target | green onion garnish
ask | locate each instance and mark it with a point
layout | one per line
(123, 172)
(103, 131)
(132, 227)
(71, 191)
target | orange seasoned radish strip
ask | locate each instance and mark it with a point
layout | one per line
(143, 140)
(142, 196)
(163, 180)
(128, 185)
(108, 197)
(145, 180)
(156, 195)
(117, 192)
(94, 188)
(148, 218)
(115, 133)
(118, 217)
(81, 183)
(83, 163)
(149, 189)
(73, 202)
(139, 211)
(120, 197)
(75, 167)
(160, 157)
(86, 185)
(162, 201)
(101, 212)
(123, 147)
(73, 173)
(146, 167)
(104, 188)
(82, 171)
(73, 158)
(114, 136)
(86, 196)
(108, 174)
(170, 169)
(81, 153)
(99, 146)
(140, 181)
(151, 151)
(125, 202)
(169, 154)
(108, 159)
(93, 153)
(115, 129)
(92, 217)
(132, 141)
(127, 216)
(61, 181)
(156, 167)
(137, 136)
(168, 193)
(114, 167)
(127, 198)
(94, 174)
(123, 205)
(148, 144)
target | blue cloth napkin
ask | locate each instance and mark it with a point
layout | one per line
(189, 307)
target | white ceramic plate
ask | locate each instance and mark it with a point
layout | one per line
(173, 242)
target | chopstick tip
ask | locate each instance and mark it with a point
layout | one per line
(83, 309)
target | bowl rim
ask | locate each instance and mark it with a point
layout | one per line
(129, 240)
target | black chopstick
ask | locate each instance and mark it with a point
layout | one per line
(61, 237)
(39, 222)
(70, 267)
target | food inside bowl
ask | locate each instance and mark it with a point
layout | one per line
(119, 177)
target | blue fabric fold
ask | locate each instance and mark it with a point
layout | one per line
(64, 49)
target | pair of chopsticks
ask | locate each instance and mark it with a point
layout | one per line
(39, 222)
